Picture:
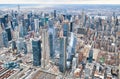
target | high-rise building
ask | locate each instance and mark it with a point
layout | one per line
(50, 23)
(24, 47)
(5, 38)
(45, 49)
(71, 47)
(5, 20)
(13, 45)
(74, 63)
(22, 29)
(62, 59)
(52, 52)
(36, 22)
(15, 34)
(1, 40)
(90, 58)
(9, 34)
(55, 37)
(19, 45)
(65, 29)
(71, 26)
(29, 45)
(54, 13)
(36, 47)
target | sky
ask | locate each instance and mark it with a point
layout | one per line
(59, 1)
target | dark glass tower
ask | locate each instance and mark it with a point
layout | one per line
(54, 13)
(71, 26)
(65, 29)
(51, 45)
(25, 47)
(36, 47)
(90, 58)
(5, 38)
(8, 30)
(62, 59)
(14, 45)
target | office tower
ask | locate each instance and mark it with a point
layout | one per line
(36, 22)
(4, 38)
(29, 45)
(62, 59)
(117, 22)
(71, 26)
(71, 47)
(25, 26)
(36, 47)
(5, 20)
(83, 18)
(51, 42)
(9, 34)
(26, 23)
(22, 29)
(1, 40)
(90, 58)
(15, 34)
(45, 49)
(114, 15)
(19, 45)
(52, 52)
(65, 29)
(50, 23)
(54, 13)
(69, 17)
(74, 63)
(32, 26)
(13, 45)
(14, 23)
(46, 20)
(55, 37)
(24, 47)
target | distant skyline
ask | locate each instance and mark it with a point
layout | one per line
(60, 1)
(61, 5)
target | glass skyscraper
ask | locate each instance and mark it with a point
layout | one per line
(62, 59)
(8, 30)
(5, 38)
(65, 29)
(36, 47)
(51, 45)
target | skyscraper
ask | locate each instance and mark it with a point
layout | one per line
(90, 58)
(19, 45)
(71, 26)
(13, 45)
(62, 59)
(54, 13)
(36, 22)
(24, 47)
(1, 40)
(71, 47)
(65, 29)
(52, 52)
(45, 48)
(8, 30)
(36, 47)
(5, 38)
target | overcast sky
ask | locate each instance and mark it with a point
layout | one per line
(61, 1)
